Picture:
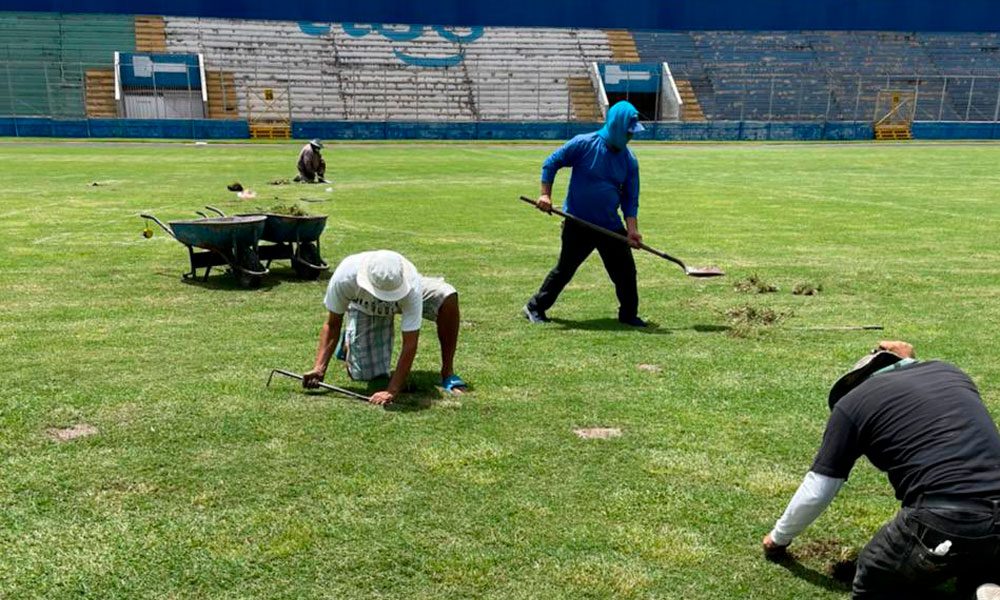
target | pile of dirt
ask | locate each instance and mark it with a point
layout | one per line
(754, 285)
(747, 320)
(807, 289)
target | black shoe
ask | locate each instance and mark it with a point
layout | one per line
(633, 321)
(535, 316)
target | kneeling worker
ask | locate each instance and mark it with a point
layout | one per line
(370, 288)
(311, 166)
(924, 424)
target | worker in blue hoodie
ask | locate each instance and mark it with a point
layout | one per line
(605, 179)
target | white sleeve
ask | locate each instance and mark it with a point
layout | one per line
(810, 500)
(411, 307)
(343, 286)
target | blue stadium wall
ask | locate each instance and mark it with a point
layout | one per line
(885, 15)
(745, 15)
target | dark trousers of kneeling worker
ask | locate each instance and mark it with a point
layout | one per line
(578, 242)
(928, 543)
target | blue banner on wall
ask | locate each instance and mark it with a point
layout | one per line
(162, 71)
(631, 77)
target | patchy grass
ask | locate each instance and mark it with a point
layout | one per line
(203, 483)
(807, 289)
(754, 285)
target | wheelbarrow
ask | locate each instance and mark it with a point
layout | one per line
(231, 241)
(294, 238)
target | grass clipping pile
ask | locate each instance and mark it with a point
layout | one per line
(747, 320)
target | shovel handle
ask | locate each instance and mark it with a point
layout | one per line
(326, 386)
(609, 233)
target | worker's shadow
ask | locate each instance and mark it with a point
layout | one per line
(423, 390)
(607, 324)
(796, 568)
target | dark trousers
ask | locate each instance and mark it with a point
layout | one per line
(577, 244)
(899, 561)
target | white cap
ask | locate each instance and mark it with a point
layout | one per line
(382, 274)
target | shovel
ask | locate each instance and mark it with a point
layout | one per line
(689, 271)
(325, 386)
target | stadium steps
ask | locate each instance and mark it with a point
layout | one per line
(583, 100)
(223, 97)
(150, 34)
(622, 45)
(893, 132)
(507, 74)
(690, 109)
(100, 94)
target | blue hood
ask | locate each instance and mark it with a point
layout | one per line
(615, 130)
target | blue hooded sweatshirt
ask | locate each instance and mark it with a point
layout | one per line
(605, 172)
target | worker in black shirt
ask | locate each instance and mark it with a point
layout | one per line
(924, 424)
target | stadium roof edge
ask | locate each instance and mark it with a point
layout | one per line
(787, 15)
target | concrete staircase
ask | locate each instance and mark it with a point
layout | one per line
(150, 34)
(100, 94)
(223, 97)
(622, 44)
(583, 100)
(690, 109)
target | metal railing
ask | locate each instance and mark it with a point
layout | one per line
(494, 92)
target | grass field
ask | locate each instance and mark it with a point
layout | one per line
(201, 482)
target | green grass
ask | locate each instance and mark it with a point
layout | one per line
(203, 483)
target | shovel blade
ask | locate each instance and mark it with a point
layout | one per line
(704, 272)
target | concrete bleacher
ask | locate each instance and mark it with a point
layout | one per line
(505, 74)
(831, 74)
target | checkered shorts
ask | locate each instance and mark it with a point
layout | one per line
(368, 339)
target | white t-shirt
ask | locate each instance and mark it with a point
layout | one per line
(344, 292)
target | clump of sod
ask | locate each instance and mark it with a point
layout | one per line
(754, 285)
(290, 210)
(747, 319)
(807, 289)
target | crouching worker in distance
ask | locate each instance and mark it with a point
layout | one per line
(311, 166)
(923, 424)
(370, 288)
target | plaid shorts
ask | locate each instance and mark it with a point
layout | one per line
(367, 339)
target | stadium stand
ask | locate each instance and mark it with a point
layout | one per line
(504, 74)
(47, 59)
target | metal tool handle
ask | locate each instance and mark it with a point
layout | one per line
(327, 386)
(215, 210)
(609, 233)
(157, 221)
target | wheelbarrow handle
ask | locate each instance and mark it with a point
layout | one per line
(327, 386)
(157, 221)
(609, 233)
(215, 210)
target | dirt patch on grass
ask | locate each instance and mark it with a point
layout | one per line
(754, 285)
(840, 559)
(746, 319)
(650, 368)
(807, 289)
(66, 434)
(598, 433)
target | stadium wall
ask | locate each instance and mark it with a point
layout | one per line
(890, 15)
(393, 130)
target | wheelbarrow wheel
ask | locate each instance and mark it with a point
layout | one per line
(305, 260)
(249, 267)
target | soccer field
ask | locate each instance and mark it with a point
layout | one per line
(202, 482)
